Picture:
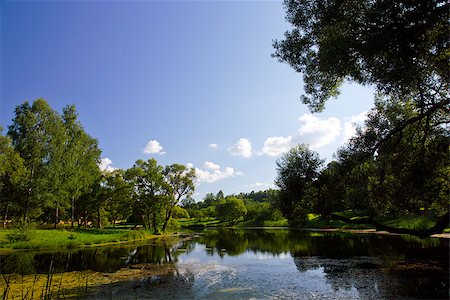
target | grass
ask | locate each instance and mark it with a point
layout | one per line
(317, 222)
(56, 238)
(411, 222)
(206, 222)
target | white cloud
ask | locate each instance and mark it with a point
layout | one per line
(260, 185)
(318, 132)
(350, 127)
(214, 172)
(211, 165)
(153, 147)
(276, 145)
(105, 165)
(213, 146)
(243, 148)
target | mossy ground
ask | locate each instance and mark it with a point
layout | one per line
(72, 285)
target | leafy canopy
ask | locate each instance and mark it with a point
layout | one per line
(399, 46)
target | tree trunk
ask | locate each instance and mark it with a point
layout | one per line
(73, 211)
(99, 221)
(25, 214)
(155, 225)
(166, 221)
(5, 220)
(56, 216)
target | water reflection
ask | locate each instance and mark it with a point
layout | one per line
(255, 263)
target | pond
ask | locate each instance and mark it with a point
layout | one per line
(238, 264)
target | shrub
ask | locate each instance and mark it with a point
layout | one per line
(19, 235)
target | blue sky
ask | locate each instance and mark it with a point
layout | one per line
(180, 81)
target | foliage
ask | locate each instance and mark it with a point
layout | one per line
(261, 211)
(180, 213)
(230, 210)
(405, 173)
(179, 182)
(298, 169)
(384, 178)
(149, 192)
(398, 162)
(56, 157)
(399, 46)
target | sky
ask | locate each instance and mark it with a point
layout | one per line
(190, 82)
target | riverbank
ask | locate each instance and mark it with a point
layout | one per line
(36, 239)
(317, 223)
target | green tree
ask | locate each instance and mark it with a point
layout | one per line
(180, 213)
(35, 134)
(79, 160)
(12, 172)
(331, 190)
(119, 196)
(189, 203)
(298, 169)
(149, 189)
(399, 46)
(230, 210)
(407, 172)
(180, 182)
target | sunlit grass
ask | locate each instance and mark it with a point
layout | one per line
(55, 238)
(412, 222)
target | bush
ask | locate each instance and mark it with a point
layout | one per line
(180, 213)
(19, 235)
(173, 224)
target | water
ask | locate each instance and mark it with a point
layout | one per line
(243, 264)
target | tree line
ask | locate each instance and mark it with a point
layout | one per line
(49, 171)
(254, 207)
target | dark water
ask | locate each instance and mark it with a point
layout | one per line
(258, 264)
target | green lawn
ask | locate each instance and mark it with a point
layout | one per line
(55, 238)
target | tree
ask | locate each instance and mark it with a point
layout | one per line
(189, 203)
(297, 170)
(399, 46)
(231, 210)
(149, 189)
(180, 182)
(407, 172)
(399, 162)
(79, 160)
(180, 213)
(35, 134)
(59, 156)
(331, 190)
(119, 196)
(12, 172)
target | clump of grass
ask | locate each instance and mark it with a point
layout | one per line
(412, 222)
(18, 235)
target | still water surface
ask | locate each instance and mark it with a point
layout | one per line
(247, 264)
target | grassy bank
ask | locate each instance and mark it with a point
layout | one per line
(60, 238)
(318, 222)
